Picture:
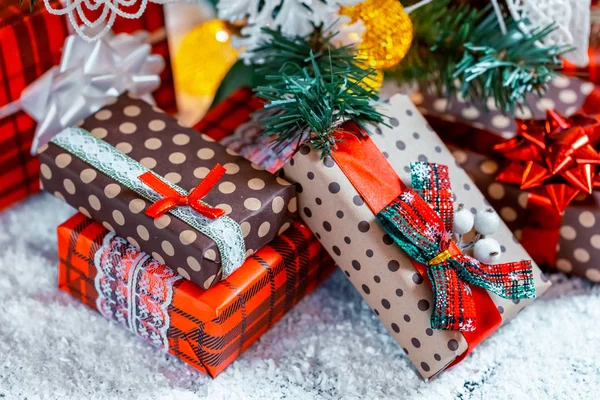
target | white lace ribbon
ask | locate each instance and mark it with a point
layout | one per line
(224, 231)
(110, 10)
(134, 289)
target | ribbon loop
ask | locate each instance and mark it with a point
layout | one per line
(558, 154)
(172, 198)
(554, 160)
(89, 76)
(420, 228)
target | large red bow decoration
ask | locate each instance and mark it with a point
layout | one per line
(172, 198)
(555, 158)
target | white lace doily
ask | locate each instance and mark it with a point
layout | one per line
(572, 18)
(109, 10)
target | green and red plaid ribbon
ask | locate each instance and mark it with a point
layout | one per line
(420, 222)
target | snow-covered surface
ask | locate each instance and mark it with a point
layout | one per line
(331, 346)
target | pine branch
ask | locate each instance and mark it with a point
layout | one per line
(314, 87)
(460, 49)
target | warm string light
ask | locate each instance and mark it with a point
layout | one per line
(388, 31)
(203, 58)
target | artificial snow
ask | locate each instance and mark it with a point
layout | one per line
(330, 346)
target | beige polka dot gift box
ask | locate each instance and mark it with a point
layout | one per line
(337, 199)
(169, 190)
(572, 237)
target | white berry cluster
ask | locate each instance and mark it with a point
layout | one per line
(485, 222)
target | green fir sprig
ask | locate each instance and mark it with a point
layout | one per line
(461, 49)
(314, 87)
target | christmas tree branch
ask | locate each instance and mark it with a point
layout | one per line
(462, 50)
(315, 87)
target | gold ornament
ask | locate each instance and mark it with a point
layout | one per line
(203, 58)
(388, 31)
(375, 81)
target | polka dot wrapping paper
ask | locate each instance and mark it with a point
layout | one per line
(378, 268)
(31, 43)
(261, 204)
(206, 329)
(473, 131)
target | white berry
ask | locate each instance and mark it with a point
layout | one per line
(463, 220)
(487, 221)
(487, 250)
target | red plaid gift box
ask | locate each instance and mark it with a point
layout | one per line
(208, 329)
(224, 118)
(30, 44)
(231, 123)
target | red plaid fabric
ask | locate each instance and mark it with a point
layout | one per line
(231, 123)
(30, 44)
(418, 221)
(223, 119)
(208, 329)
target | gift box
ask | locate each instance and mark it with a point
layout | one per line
(564, 95)
(339, 198)
(138, 172)
(398, 292)
(567, 242)
(207, 329)
(31, 43)
(591, 71)
(231, 123)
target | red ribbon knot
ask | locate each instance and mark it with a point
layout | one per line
(172, 198)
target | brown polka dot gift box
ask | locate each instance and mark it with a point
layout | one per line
(395, 212)
(550, 202)
(208, 329)
(167, 189)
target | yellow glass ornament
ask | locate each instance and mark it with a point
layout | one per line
(375, 81)
(203, 58)
(388, 31)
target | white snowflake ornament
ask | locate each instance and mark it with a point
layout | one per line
(572, 19)
(292, 17)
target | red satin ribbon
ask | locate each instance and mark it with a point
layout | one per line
(378, 184)
(591, 105)
(542, 230)
(172, 198)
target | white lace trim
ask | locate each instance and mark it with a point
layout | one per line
(224, 231)
(134, 290)
(572, 18)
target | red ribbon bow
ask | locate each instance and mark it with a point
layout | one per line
(172, 198)
(555, 158)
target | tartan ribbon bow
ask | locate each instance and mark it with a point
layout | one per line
(420, 222)
(172, 198)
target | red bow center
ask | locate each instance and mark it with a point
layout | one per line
(171, 198)
(184, 201)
